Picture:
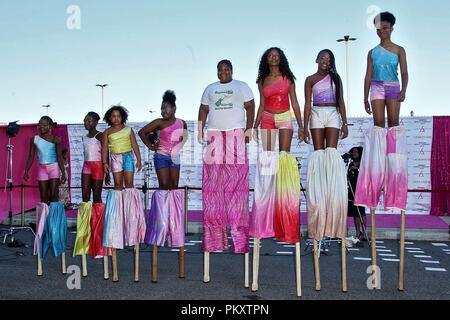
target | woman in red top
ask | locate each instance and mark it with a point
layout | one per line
(276, 211)
(276, 84)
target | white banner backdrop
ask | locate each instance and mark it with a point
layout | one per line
(419, 135)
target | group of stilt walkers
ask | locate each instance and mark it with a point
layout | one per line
(228, 108)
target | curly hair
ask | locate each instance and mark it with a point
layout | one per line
(123, 113)
(264, 70)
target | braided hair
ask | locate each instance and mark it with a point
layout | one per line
(335, 78)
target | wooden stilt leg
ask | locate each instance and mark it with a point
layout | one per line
(136, 262)
(105, 268)
(63, 263)
(374, 249)
(344, 265)
(84, 265)
(246, 263)
(181, 262)
(206, 267)
(402, 252)
(39, 265)
(316, 265)
(155, 264)
(114, 265)
(298, 276)
(255, 264)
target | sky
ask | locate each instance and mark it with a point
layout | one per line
(54, 55)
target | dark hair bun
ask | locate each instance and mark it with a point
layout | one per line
(169, 96)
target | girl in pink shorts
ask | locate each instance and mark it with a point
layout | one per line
(51, 226)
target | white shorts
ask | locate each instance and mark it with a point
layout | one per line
(325, 117)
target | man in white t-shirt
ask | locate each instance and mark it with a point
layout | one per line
(228, 106)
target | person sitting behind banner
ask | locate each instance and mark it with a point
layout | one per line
(64, 187)
(352, 175)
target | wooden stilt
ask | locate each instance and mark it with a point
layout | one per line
(105, 268)
(246, 263)
(136, 262)
(206, 267)
(344, 265)
(114, 265)
(255, 264)
(155, 264)
(63, 263)
(316, 265)
(84, 265)
(374, 249)
(181, 262)
(402, 252)
(298, 276)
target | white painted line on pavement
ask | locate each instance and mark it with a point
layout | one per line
(408, 242)
(362, 258)
(392, 260)
(421, 256)
(190, 244)
(195, 241)
(355, 249)
(289, 245)
(381, 247)
(415, 251)
(284, 252)
(379, 241)
(429, 261)
(410, 248)
(384, 250)
(439, 244)
(435, 269)
(387, 255)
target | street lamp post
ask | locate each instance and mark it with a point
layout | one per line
(46, 106)
(346, 39)
(102, 86)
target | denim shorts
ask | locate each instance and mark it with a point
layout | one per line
(163, 161)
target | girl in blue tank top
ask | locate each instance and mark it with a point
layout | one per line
(382, 75)
(50, 165)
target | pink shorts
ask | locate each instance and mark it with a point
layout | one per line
(93, 168)
(384, 90)
(48, 171)
(277, 120)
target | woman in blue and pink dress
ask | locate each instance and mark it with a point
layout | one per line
(166, 221)
(51, 226)
(384, 162)
(124, 221)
